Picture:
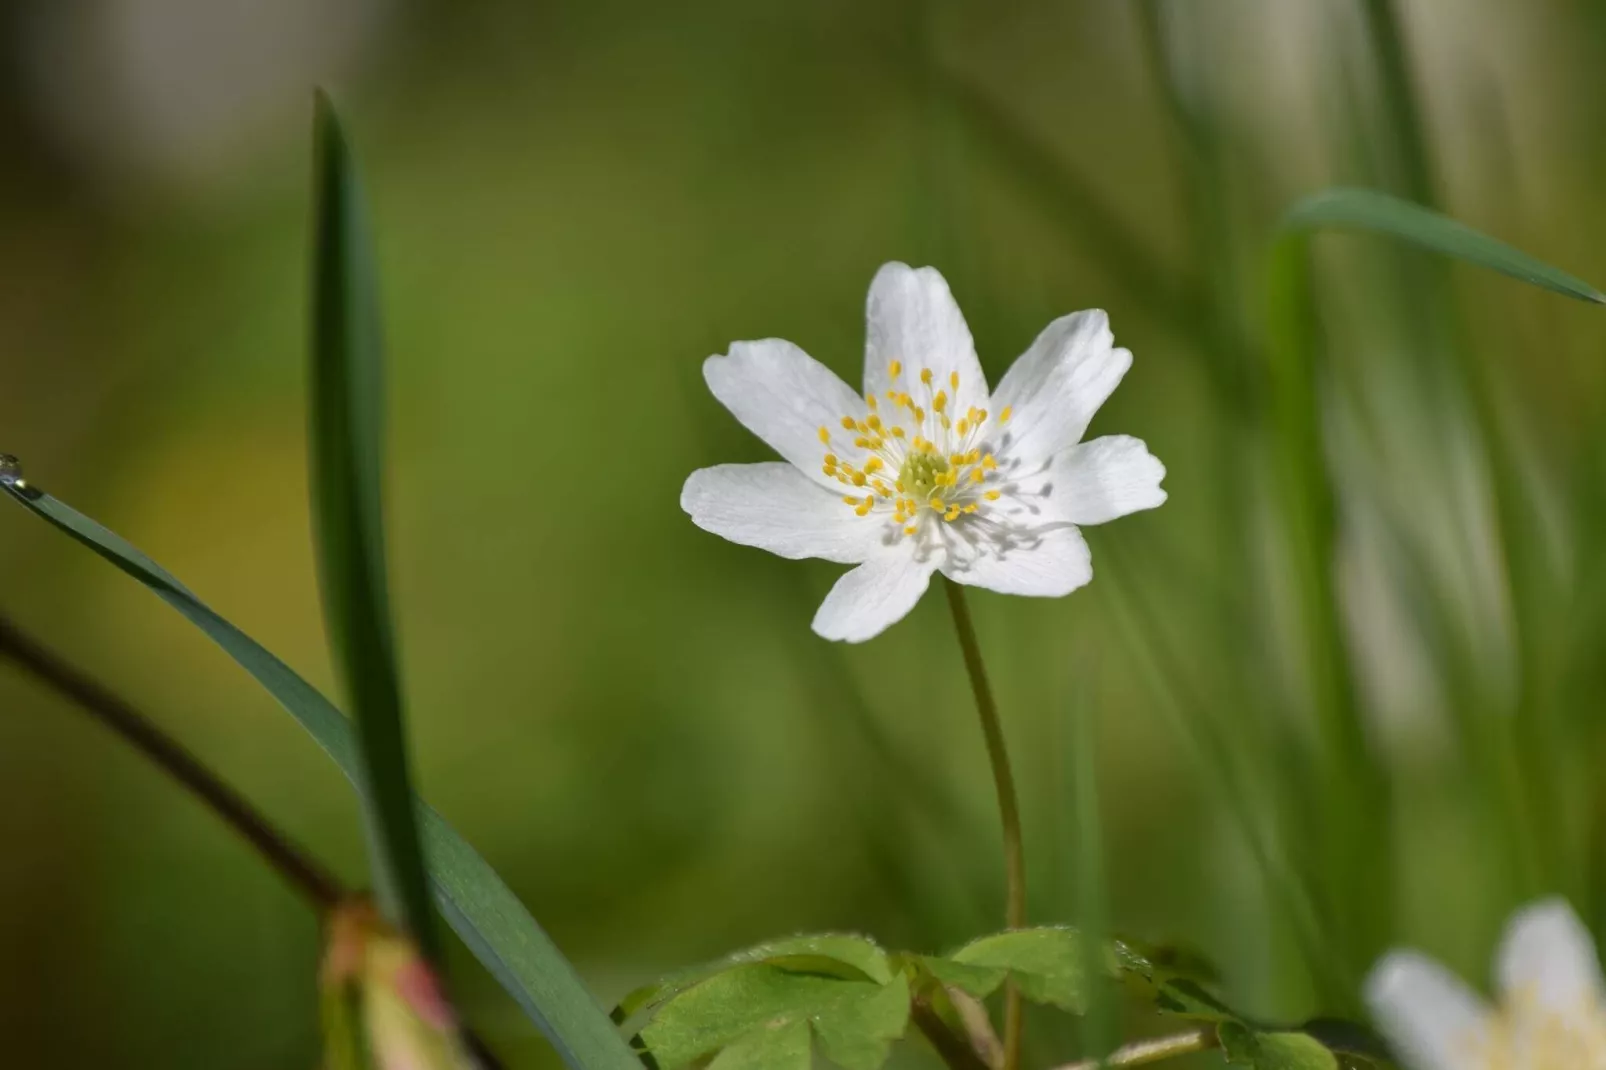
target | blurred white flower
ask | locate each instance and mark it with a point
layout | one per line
(926, 472)
(1552, 1012)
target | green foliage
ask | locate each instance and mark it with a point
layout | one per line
(772, 1004)
(1365, 209)
(769, 1005)
(1046, 964)
(1274, 1051)
(474, 900)
(346, 432)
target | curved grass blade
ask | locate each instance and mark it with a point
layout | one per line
(476, 903)
(345, 444)
(1364, 209)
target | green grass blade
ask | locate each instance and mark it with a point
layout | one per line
(475, 901)
(345, 445)
(1364, 209)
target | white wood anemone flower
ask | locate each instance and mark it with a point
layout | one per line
(927, 471)
(1552, 1010)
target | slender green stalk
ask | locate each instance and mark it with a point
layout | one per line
(1142, 1052)
(1008, 803)
(1409, 149)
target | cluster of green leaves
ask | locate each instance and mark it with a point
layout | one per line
(772, 1006)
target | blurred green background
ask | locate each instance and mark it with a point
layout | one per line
(575, 203)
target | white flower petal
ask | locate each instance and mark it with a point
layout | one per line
(874, 596)
(1547, 961)
(775, 507)
(784, 396)
(1097, 481)
(911, 317)
(1058, 384)
(1045, 562)
(1427, 1014)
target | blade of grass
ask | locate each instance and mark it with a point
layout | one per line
(1353, 772)
(475, 901)
(1370, 210)
(1102, 1031)
(346, 441)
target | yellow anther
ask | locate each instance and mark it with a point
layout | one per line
(952, 514)
(830, 460)
(897, 368)
(963, 427)
(977, 475)
(953, 380)
(846, 500)
(991, 495)
(940, 402)
(981, 416)
(825, 434)
(910, 530)
(899, 485)
(873, 464)
(973, 456)
(956, 458)
(936, 503)
(919, 413)
(874, 421)
(989, 463)
(828, 469)
(1003, 417)
(858, 479)
(869, 399)
(863, 510)
(869, 500)
(925, 376)
(862, 442)
(972, 507)
(897, 432)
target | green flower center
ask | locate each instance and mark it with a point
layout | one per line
(920, 474)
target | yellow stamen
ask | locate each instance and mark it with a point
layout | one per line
(825, 434)
(940, 402)
(1003, 417)
(925, 376)
(991, 495)
(953, 380)
(897, 368)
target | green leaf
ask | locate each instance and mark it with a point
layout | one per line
(1364, 209)
(475, 901)
(854, 1022)
(1273, 1051)
(346, 440)
(785, 1046)
(1046, 964)
(843, 955)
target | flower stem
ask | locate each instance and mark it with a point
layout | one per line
(1008, 804)
(1140, 1052)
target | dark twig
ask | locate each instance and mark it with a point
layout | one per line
(303, 873)
(300, 870)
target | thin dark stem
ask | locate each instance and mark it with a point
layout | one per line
(298, 869)
(1008, 804)
(955, 1050)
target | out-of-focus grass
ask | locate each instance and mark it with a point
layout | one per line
(629, 717)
